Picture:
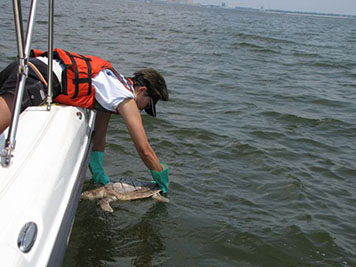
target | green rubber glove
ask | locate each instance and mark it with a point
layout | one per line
(161, 178)
(96, 168)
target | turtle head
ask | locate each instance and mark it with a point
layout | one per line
(93, 194)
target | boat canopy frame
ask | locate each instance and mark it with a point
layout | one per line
(24, 50)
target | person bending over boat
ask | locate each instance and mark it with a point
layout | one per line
(91, 82)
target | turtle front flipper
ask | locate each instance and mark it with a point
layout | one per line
(105, 204)
(160, 198)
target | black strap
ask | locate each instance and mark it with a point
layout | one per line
(78, 80)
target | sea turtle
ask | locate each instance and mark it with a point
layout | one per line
(124, 190)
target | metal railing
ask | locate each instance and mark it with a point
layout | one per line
(24, 49)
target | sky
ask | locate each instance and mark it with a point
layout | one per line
(321, 6)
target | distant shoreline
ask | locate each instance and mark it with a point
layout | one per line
(300, 13)
(303, 13)
(276, 11)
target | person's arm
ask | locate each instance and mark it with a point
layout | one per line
(132, 117)
(101, 125)
(97, 154)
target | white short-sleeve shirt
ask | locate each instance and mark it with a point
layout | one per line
(109, 91)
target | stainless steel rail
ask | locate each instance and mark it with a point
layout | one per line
(50, 54)
(24, 49)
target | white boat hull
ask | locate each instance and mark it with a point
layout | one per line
(43, 183)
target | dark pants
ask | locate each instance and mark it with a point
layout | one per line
(35, 91)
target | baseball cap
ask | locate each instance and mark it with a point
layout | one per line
(156, 87)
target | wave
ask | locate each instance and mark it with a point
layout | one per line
(267, 39)
(299, 119)
(254, 47)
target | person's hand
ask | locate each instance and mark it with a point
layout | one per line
(162, 178)
(96, 168)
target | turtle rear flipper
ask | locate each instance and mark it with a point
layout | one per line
(160, 198)
(105, 204)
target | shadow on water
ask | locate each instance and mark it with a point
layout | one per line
(130, 235)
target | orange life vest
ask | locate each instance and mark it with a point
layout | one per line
(77, 89)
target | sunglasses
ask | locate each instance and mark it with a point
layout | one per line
(151, 106)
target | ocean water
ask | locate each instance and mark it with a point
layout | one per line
(259, 134)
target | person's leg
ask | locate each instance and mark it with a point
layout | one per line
(5, 110)
(8, 80)
(32, 95)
